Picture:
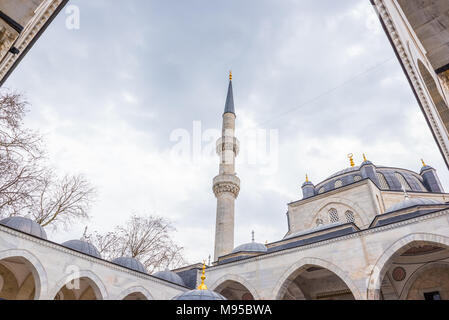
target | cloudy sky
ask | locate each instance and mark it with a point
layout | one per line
(114, 98)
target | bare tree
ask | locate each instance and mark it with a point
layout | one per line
(61, 201)
(20, 155)
(107, 244)
(27, 186)
(146, 238)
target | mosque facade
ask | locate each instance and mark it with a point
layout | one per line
(367, 232)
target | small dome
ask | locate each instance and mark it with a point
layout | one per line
(170, 276)
(25, 225)
(365, 163)
(83, 247)
(130, 263)
(307, 183)
(408, 203)
(194, 295)
(251, 247)
(426, 167)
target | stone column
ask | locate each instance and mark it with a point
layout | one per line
(226, 187)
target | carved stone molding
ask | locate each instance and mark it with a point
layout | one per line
(226, 187)
(444, 79)
(226, 183)
(413, 75)
(27, 36)
(7, 38)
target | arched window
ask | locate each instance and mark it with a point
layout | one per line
(338, 184)
(333, 216)
(321, 190)
(402, 181)
(383, 183)
(350, 216)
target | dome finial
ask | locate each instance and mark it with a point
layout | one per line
(364, 158)
(351, 160)
(307, 178)
(423, 163)
(203, 286)
(252, 234)
(230, 75)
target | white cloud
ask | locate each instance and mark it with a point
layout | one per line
(108, 98)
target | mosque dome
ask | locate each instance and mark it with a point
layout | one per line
(413, 202)
(250, 247)
(25, 225)
(83, 247)
(388, 178)
(130, 263)
(199, 295)
(170, 276)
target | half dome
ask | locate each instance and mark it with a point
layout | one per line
(413, 202)
(83, 247)
(130, 263)
(25, 225)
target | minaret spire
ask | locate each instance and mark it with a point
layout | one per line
(229, 106)
(226, 185)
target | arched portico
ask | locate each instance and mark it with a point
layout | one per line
(396, 249)
(427, 277)
(79, 285)
(340, 279)
(235, 287)
(135, 293)
(23, 273)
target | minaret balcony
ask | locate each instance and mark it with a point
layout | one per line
(226, 183)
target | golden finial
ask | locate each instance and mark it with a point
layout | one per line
(307, 178)
(364, 158)
(203, 286)
(351, 159)
(230, 75)
(423, 163)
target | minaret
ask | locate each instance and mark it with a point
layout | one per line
(226, 185)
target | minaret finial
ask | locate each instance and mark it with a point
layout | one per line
(203, 286)
(230, 75)
(252, 233)
(351, 159)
